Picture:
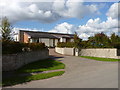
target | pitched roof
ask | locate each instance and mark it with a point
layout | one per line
(38, 34)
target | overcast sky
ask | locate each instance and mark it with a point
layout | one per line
(66, 16)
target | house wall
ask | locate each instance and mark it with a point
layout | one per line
(14, 61)
(62, 39)
(56, 41)
(71, 40)
(46, 41)
(31, 40)
(21, 36)
(16, 38)
(26, 38)
(51, 42)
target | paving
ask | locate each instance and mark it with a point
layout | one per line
(79, 73)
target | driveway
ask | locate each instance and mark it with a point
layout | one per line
(79, 73)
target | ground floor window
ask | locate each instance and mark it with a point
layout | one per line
(34, 40)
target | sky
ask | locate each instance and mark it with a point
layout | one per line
(63, 16)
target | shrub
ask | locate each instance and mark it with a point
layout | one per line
(65, 44)
(17, 47)
(36, 46)
(77, 41)
(116, 45)
(11, 47)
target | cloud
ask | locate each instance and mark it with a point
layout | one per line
(96, 26)
(16, 29)
(113, 11)
(53, 11)
(90, 28)
(93, 26)
(64, 28)
(45, 12)
(73, 9)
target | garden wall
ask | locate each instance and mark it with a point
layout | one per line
(98, 52)
(101, 52)
(65, 51)
(15, 61)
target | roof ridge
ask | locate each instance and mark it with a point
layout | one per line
(45, 32)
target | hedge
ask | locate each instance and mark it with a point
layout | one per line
(65, 44)
(86, 45)
(17, 47)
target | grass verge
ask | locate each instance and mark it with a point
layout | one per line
(101, 59)
(22, 79)
(38, 66)
(42, 65)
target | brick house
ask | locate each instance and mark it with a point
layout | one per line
(50, 39)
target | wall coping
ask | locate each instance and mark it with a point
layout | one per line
(24, 52)
(88, 48)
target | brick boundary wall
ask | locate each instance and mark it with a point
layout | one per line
(14, 61)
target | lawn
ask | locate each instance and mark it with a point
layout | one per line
(22, 79)
(101, 59)
(38, 66)
(42, 65)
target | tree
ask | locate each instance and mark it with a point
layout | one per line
(6, 30)
(77, 41)
(115, 40)
(100, 40)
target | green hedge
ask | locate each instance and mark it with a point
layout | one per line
(85, 44)
(116, 45)
(65, 44)
(17, 47)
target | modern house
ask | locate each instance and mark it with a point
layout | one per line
(50, 39)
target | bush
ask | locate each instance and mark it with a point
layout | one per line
(17, 47)
(36, 46)
(116, 45)
(65, 44)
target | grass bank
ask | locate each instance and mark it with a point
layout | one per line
(101, 59)
(22, 79)
(18, 76)
(42, 65)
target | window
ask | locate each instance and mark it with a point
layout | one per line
(67, 40)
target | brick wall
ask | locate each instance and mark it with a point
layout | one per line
(26, 39)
